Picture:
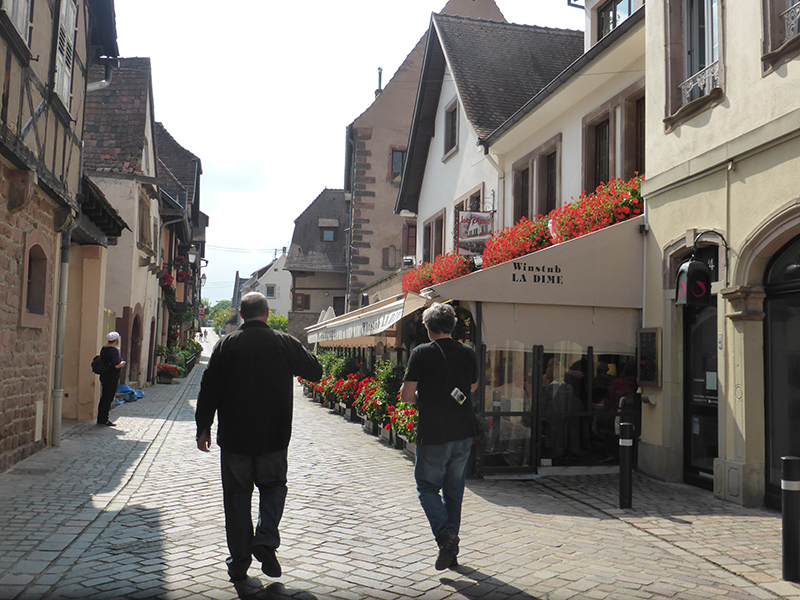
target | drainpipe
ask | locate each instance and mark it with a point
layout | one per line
(501, 188)
(61, 329)
(109, 65)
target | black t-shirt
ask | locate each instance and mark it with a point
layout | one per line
(441, 418)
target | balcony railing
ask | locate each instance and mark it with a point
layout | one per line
(791, 20)
(700, 84)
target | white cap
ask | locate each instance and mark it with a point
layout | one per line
(113, 336)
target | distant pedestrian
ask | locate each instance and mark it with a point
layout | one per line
(249, 384)
(439, 379)
(205, 335)
(109, 379)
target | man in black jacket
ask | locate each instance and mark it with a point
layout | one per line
(249, 384)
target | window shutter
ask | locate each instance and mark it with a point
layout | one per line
(277, 291)
(306, 301)
(65, 50)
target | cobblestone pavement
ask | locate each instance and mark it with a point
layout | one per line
(136, 512)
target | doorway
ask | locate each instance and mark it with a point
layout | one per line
(700, 406)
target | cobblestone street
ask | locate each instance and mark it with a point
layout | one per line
(136, 512)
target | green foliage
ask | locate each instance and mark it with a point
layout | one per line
(390, 376)
(161, 350)
(278, 322)
(218, 315)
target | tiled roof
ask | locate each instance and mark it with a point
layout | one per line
(498, 67)
(308, 252)
(180, 161)
(116, 119)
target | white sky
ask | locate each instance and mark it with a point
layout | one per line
(263, 96)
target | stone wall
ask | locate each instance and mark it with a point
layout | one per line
(25, 351)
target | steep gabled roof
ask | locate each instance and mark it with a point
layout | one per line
(498, 67)
(116, 118)
(183, 164)
(308, 252)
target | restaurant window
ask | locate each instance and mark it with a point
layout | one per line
(451, 129)
(611, 15)
(398, 160)
(693, 56)
(549, 194)
(433, 238)
(639, 146)
(537, 178)
(781, 20)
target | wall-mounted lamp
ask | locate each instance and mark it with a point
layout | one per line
(693, 281)
(192, 254)
(408, 261)
(203, 279)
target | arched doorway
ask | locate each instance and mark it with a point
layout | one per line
(782, 363)
(136, 351)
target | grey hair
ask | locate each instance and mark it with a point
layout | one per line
(439, 318)
(253, 305)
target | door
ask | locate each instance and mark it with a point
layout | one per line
(701, 437)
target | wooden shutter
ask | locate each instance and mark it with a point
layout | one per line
(65, 50)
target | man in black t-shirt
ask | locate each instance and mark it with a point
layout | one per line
(439, 379)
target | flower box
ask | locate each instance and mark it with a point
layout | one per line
(410, 448)
(371, 427)
(386, 435)
(164, 378)
(395, 441)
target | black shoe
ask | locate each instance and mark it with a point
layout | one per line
(448, 550)
(269, 562)
(107, 424)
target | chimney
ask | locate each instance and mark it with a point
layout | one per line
(380, 89)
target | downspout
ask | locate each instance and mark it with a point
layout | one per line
(61, 330)
(501, 185)
(108, 65)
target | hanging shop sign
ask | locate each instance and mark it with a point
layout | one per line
(693, 284)
(474, 229)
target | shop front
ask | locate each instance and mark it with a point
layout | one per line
(557, 334)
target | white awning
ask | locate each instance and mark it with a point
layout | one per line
(367, 321)
(601, 269)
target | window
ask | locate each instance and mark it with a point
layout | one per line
(409, 239)
(639, 141)
(611, 15)
(328, 234)
(550, 182)
(781, 29)
(601, 154)
(451, 129)
(19, 13)
(522, 193)
(144, 220)
(35, 281)
(389, 258)
(271, 291)
(398, 160)
(433, 238)
(537, 180)
(693, 61)
(302, 301)
(65, 50)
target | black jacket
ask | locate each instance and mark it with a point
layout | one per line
(249, 383)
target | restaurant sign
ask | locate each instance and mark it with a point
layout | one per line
(474, 229)
(524, 272)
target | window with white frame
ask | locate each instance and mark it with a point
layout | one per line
(19, 13)
(65, 50)
(271, 291)
(451, 129)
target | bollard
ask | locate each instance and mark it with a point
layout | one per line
(790, 497)
(625, 464)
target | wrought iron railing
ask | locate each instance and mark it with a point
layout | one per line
(791, 20)
(700, 84)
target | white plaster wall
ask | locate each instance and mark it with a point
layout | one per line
(447, 181)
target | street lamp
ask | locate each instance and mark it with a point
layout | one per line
(203, 279)
(192, 254)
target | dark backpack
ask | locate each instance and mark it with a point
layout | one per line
(98, 366)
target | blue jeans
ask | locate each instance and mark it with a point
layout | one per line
(239, 474)
(442, 467)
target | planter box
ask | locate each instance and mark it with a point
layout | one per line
(395, 441)
(371, 427)
(410, 449)
(386, 435)
(164, 378)
(350, 414)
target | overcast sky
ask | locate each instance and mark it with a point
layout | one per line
(263, 95)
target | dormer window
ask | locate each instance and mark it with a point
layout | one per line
(327, 229)
(611, 15)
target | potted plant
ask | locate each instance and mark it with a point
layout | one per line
(166, 372)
